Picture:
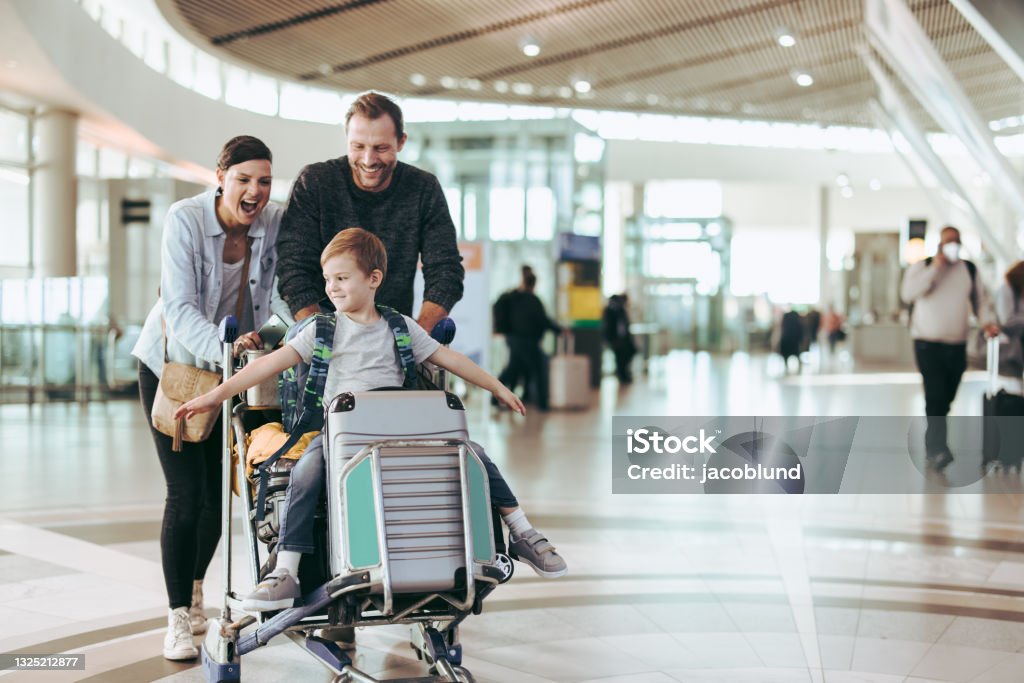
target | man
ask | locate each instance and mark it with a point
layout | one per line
(943, 290)
(369, 188)
(524, 322)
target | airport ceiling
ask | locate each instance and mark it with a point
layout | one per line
(689, 57)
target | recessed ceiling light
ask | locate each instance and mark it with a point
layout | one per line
(501, 86)
(581, 85)
(449, 82)
(325, 69)
(842, 180)
(803, 79)
(875, 184)
(565, 92)
(847, 192)
(785, 36)
(522, 88)
(419, 80)
(529, 46)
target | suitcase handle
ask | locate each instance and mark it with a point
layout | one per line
(992, 362)
(565, 343)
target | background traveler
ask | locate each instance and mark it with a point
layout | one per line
(525, 321)
(944, 290)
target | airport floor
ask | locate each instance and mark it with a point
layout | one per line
(896, 588)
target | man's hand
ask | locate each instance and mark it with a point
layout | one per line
(430, 315)
(992, 330)
(303, 313)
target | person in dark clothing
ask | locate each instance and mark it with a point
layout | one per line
(521, 317)
(400, 204)
(616, 332)
(791, 335)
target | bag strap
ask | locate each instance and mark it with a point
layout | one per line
(243, 284)
(311, 414)
(403, 345)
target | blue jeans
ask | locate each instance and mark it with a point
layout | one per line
(307, 482)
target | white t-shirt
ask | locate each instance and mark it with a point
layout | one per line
(364, 355)
(229, 297)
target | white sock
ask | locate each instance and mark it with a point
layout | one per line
(288, 561)
(517, 522)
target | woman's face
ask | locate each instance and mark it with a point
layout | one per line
(246, 191)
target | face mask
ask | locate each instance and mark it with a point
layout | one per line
(951, 250)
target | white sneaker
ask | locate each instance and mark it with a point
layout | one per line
(196, 616)
(178, 641)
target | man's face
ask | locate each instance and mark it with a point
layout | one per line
(949, 235)
(373, 148)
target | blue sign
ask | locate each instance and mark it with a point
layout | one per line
(573, 247)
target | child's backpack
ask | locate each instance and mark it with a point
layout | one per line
(302, 387)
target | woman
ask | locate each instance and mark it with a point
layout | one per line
(205, 244)
(1010, 311)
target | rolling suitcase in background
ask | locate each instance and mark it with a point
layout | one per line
(1003, 438)
(569, 377)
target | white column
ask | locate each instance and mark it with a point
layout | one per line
(54, 194)
(824, 279)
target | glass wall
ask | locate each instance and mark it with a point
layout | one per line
(15, 257)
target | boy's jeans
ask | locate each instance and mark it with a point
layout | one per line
(307, 483)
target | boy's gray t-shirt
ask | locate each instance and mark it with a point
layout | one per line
(364, 355)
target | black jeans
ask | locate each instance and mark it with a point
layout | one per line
(191, 526)
(528, 362)
(941, 366)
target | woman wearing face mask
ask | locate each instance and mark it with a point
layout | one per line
(210, 243)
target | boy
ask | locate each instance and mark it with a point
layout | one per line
(354, 264)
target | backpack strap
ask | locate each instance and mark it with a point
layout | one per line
(403, 345)
(310, 416)
(973, 270)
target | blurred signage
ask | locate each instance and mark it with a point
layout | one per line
(573, 247)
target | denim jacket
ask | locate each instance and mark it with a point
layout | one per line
(191, 273)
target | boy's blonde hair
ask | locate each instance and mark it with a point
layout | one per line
(365, 247)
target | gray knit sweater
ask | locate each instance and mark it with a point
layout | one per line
(410, 217)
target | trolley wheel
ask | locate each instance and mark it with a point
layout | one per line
(463, 675)
(503, 562)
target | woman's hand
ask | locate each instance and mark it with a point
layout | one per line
(506, 397)
(246, 342)
(200, 404)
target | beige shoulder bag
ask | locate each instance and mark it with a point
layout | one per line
(181, 382)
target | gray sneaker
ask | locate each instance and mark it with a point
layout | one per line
(533, 549)
(277, 591)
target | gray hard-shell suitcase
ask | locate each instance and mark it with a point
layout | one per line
(422, 496)
(568, 377)
(1003, 414)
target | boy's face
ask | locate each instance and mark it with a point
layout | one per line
(348, 287)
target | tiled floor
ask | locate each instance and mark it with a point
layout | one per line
(863, 588)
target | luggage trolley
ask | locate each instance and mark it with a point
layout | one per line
(410, 534)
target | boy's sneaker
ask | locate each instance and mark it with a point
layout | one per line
(196, 616)
(277, 591)
(535, 550)
(178, 641)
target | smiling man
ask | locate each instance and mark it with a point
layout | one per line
(401, 204)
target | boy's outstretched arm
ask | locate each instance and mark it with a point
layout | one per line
(252, 374)
(458, 364)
